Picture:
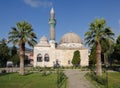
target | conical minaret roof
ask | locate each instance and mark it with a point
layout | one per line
(52, 11)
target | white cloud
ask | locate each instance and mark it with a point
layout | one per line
(38, 3)
(32, 3)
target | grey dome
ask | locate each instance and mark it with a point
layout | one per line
(70, 38)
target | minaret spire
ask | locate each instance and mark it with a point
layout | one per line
(52, 23)
(52, 11)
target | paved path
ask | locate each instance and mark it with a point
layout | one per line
(76, 79)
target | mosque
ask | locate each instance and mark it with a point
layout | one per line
(49, 53)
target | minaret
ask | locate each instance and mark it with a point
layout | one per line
(52, 23)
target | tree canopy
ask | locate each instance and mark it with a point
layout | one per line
(4, 53)
(116, 53)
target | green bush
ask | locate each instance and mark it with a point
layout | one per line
(4, 71)
(61, 78)
(46, 73)
(101, 80)
(84, 68)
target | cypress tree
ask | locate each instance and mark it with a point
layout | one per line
(76, 58)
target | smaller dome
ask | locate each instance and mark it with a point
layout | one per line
(44, 38)
(43, 41)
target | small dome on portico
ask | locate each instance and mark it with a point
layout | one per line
(43, 41)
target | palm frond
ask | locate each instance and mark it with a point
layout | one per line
(32, 42)
(98, 32)
(23, 33)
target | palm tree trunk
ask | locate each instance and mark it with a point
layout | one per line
(98, 56)
(22, 55)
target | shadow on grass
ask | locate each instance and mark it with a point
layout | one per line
(4, 74)
(28, 73)
(116, 68)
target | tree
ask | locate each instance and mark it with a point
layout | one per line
(15, 59)
(4, 53)
(98, 32)
(14, 55)
(92, 57)
(118, 40)
(116, 53)
(13, 50)
(21, 35)
(107, 49)
(76, 58)
(26, 61)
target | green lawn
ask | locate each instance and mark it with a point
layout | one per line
(35, 80)
(113, 80)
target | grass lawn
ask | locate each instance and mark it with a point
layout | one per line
(113, 80)
(35, 80)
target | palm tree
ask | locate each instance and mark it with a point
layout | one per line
(98, 33)
(21, 35)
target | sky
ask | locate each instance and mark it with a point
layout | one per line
(71, 15)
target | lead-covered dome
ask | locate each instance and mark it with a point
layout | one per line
(70, 38)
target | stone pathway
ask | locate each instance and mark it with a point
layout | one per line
(76, 79)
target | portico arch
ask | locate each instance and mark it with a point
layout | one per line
(39, 58)
(46, 58)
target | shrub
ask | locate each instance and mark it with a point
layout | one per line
(46, 73)
(99, 79)
(4, 71)
(61, 77)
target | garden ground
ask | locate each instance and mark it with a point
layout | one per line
(76, 79)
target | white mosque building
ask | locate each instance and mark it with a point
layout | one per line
(49, 53)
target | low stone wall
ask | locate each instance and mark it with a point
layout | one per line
(13, 69)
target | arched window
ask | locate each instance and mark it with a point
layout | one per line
(46, 57)
(39, 58)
